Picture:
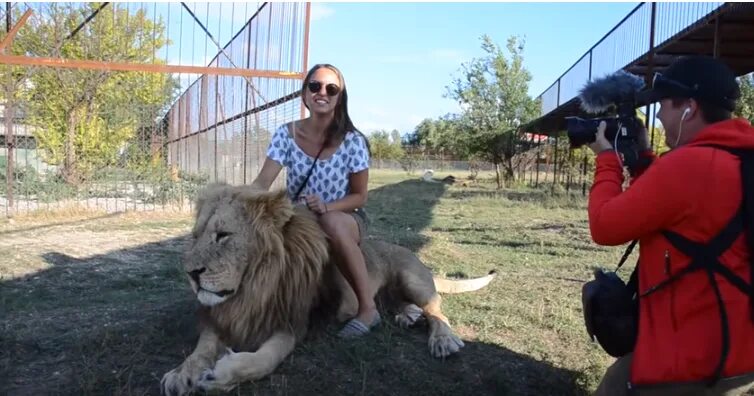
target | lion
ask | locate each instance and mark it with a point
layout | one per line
(262, 269)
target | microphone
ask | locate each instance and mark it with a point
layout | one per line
(601, 94)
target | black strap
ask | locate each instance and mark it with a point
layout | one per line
(746, 156)
(627, 253)
(301, 187)
(707, 256)
(633, 280)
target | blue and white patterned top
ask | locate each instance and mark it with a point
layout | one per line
(329, 179)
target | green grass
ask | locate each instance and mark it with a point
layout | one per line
(99, 305)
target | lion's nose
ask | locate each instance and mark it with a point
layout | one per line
(195, 274)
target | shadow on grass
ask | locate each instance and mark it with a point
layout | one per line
(416, 200)
(115, 323)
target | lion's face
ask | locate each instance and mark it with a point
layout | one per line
(216, 257)
(230, 221)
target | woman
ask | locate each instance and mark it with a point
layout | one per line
(327, 162)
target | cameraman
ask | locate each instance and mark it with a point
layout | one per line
(695, 191)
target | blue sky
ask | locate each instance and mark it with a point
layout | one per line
(397, 58)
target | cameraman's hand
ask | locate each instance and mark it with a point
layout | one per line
(601, 143)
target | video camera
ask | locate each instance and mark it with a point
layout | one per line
(614, 98)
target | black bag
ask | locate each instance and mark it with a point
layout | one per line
(611, 309)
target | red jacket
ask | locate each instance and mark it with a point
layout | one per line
(693, 191)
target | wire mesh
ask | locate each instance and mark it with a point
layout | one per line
(81, 134)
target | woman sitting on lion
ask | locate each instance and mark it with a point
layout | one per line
(327, 163)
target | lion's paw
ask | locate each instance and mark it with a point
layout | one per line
(209, 381)
(441, 346)
(409, 316)
(176, 383)
(222, 376)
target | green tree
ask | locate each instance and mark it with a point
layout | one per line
(84, 118)
(493, 91)
(746, 103)
(386, 145)
(443, 134)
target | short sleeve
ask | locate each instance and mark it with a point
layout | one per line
(279, 147)
(358, 154)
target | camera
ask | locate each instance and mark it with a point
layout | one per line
(612, 99)
(621, 128)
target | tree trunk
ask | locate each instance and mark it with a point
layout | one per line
(509, 173)
(498, 176)
(69, 164)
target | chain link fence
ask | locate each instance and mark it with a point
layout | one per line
(135, 106)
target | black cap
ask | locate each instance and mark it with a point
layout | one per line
(699, 77)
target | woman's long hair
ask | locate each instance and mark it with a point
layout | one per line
(341, 123)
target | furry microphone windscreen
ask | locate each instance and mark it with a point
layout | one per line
(600, 94)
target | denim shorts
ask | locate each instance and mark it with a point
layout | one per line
(360, 215)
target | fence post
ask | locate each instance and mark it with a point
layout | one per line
(583, 175)
(555, 169)
(536, 162)
(650, 65)
(9, 140)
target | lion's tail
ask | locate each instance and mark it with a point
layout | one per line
(450, 286)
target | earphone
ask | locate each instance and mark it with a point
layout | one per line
(680, 125)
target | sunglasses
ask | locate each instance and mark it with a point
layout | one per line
(331, 89)
(663, 83)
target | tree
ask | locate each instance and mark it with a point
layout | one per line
(386, 145)
(746, 103)
(84, 118)
(493, 91)
(442, 135)
(655, 134)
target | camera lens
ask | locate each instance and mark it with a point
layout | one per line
(581, 131)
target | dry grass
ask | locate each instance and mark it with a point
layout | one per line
(96, 304)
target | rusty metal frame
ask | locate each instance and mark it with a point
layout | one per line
(306, 47)
(143, 67)
(12, 33)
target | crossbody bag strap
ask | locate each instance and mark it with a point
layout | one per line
(306, 180)
(292, 135)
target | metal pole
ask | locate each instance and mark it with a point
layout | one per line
(9, 140)
(650, 66)
(536, 162)
(555, 164)
(306, 47)
(246, 105)
(716, 48)
(583, 175)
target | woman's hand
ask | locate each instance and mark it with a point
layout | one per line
(315, 204)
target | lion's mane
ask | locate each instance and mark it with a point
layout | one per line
(288, 255)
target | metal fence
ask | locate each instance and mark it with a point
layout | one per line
(134, 106)
(630, 39)
(542, 162)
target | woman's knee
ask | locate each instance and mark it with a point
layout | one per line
(336, 226)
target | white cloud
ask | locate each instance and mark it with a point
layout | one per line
(320, 11)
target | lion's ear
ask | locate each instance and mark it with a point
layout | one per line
(273, 208)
